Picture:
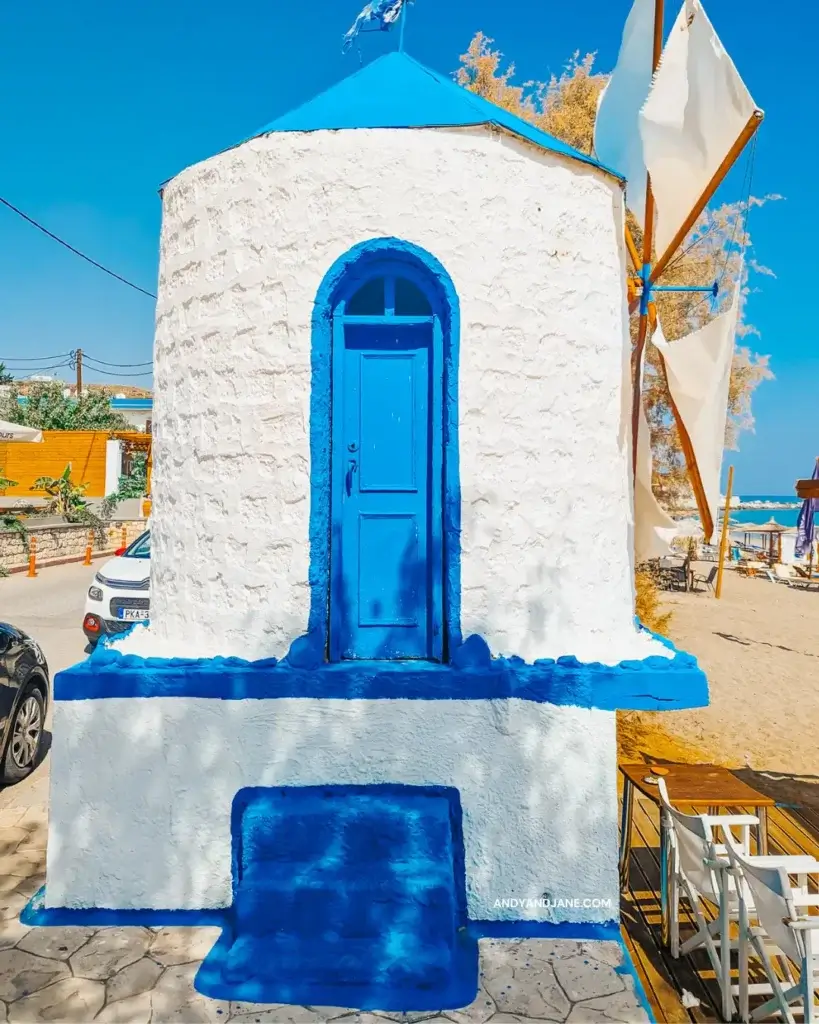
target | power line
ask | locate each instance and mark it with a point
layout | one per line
(34, 369)
(76, 252)
(93, 359)
(39, 369)
(40, 359)
(106, 373)
(45, 363)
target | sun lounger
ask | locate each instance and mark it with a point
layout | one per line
(804, 584)
(746, 567)
(781, 574)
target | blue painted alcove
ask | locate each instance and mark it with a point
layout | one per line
(362, 263)
(346, 895)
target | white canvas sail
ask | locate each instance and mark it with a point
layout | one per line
(698, 369)
(617, 142)
(696, 110)
(654, 529)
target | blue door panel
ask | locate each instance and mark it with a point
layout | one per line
(389, 407)
(384, 434)
(391, 590)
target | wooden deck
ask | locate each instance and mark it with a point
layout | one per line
(793, 827)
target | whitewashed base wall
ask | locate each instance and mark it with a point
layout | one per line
(141, 792)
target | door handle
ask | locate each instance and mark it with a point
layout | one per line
(353, 466)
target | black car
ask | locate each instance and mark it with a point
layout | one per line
(24, 692)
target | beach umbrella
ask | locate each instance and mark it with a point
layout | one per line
(806, 523)
(16, 432)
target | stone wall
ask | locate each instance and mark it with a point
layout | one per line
(63, 541)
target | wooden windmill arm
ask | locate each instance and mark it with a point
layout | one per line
(694, 477)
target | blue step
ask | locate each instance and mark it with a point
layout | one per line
(367, 830)
(369, 907)
(352, 894)
(397, 960)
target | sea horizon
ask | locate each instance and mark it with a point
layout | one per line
(783, 516)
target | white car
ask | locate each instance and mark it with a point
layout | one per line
(121, 592)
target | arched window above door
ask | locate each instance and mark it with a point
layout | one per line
(388, 296)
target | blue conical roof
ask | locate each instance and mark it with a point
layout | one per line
(395, 91)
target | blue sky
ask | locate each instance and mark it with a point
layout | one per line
(104, 101)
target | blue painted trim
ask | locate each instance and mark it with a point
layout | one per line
(627, 968)
(645, 295)
(441, 543)
(335, 589)
(340, 282)
(653, 684)
(37, 914)
(401, 321)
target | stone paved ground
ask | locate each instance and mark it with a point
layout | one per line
(142, 975)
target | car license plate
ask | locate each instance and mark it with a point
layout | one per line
(132, 614)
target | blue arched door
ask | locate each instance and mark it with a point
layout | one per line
(386, 557)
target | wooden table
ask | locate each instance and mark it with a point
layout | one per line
(706, 788)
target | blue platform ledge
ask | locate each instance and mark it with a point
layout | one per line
(653, 684)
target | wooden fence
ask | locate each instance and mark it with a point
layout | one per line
(84, 449)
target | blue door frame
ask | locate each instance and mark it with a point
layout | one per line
(365, 261)
(386, 558)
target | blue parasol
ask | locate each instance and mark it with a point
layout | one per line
(806, 523)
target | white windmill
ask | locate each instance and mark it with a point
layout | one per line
(675, 118)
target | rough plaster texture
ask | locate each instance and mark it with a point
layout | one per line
(142, 792)
(533, 244)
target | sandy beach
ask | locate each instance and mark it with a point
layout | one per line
(759, 646)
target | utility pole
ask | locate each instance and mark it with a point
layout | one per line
(78, 356)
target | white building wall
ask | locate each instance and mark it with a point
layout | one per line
(533, 244)
(137, 418)
(141, 792)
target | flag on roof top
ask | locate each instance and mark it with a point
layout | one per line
(381, 13)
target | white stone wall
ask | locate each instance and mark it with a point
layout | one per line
(533, 244)
(141, 792)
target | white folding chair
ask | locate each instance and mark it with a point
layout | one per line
(782, 931)
(698, 869)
